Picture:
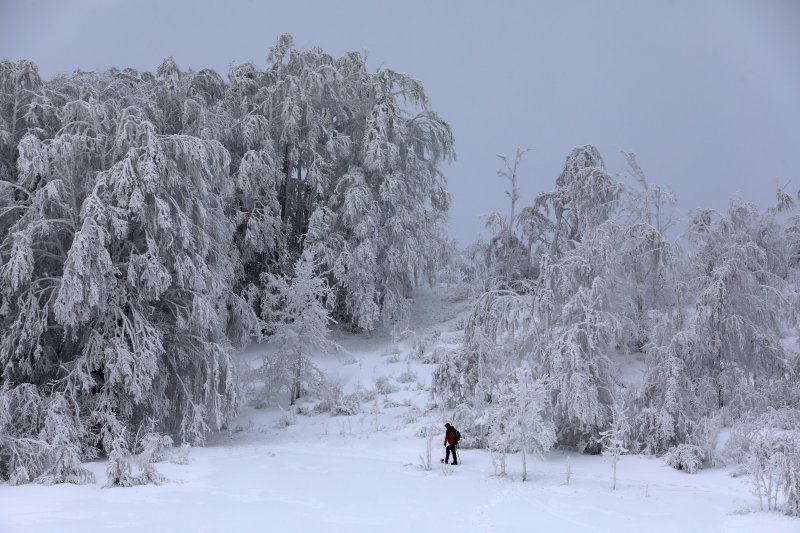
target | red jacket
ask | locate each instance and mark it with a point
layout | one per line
(450, 436)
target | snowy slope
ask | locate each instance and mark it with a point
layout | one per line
(339, 474)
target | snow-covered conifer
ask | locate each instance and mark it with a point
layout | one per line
(297, 312)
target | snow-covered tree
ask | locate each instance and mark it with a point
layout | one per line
(647, 255)
(350, 166)
(669, 396)
(115, 278)
(23, 107)
(585, 196)
(298, 320)
(506, 254)
(614, 439)
(520, 417)
(581, 314)
(737, 324)
(563, 323)
(378, 230)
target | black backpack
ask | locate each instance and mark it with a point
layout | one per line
(457, 435)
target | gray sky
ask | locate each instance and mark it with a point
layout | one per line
(707, 93)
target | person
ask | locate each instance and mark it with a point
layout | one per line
(450, 442)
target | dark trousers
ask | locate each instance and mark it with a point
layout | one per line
(450, 448)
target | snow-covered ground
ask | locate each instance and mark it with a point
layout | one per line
(341, 474)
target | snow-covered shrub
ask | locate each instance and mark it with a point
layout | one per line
(330, 394)
(749, 429)
(737, 445)
(430, 356)
(66, 468)
(773, 461)
(424, 349)
(334, 401)
(375, 411)
(346, 427)
(384, 386)
(498, 462)
(349, 404)
(418, 352)
(766, 463)
(287, 418)
(408, 376)
(155, 448)
(180, 456)
(705, 433)
(454, 280)
(450, 275)
(118, 469)
(126, 470)
(426, 461)
(411, 415)
(365, 395)
(421, 431)
(686, 457)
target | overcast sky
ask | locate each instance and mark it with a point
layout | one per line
(707, 93)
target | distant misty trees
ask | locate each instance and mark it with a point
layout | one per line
(151, 222)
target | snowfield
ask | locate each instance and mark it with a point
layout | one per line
(327, 473)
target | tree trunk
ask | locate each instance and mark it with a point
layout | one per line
(559, 214)
(287, 174)
(718, 369)
(614, 470)
(530, 253)
(297, 220)
(297, 374)
(524, 466)
(14, 113)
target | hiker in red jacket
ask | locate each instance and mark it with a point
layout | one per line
(450, 441)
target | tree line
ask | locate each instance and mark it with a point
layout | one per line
(597, 280)
(146, 219)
